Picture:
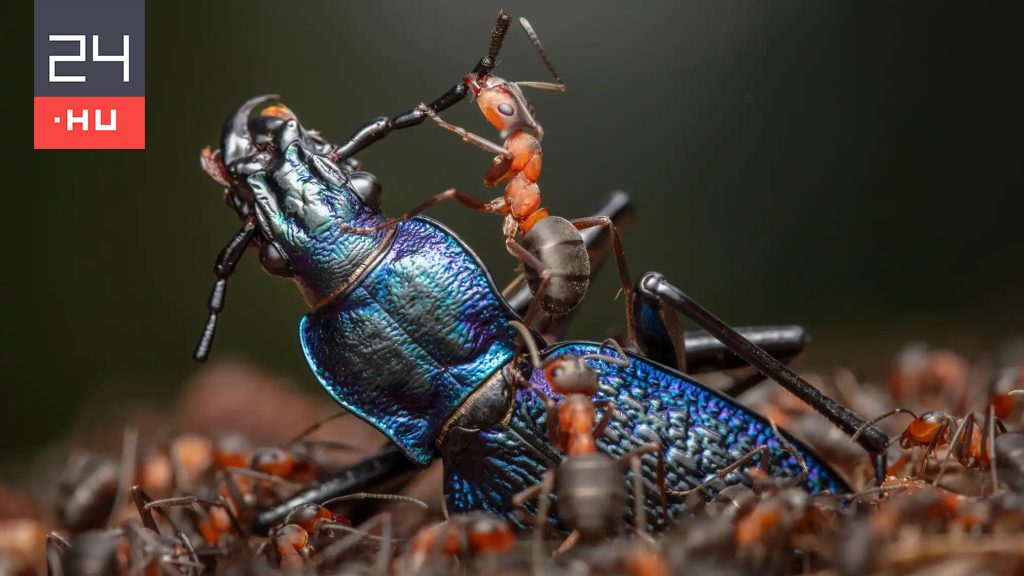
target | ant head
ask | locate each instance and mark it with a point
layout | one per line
(571, 375)
(928, 427)
(273, 461)
(488, 533)
(308, 516)
(501, 101)
(504, 105)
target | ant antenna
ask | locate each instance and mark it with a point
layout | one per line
(375, 496)
(531, 344)
(535, 40)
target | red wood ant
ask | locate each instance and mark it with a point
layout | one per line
(469, 535)
(968, 442)
(554, 257)
(589, 484)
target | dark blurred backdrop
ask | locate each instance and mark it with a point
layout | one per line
(854, 167)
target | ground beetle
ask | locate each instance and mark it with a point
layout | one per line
(408, 331)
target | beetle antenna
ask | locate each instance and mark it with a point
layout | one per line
(535, 40)
(226, 262)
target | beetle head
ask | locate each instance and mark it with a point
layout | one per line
(279, 173)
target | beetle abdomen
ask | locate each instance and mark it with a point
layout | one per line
(560, 248)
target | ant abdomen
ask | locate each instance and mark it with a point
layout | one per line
(560, 248)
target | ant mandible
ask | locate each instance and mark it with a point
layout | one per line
(555, 260)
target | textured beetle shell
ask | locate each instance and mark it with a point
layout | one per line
(559, 246)
(413, 339)
(701, 430)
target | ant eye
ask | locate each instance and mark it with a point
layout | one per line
(506, 109)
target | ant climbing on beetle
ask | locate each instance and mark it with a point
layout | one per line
(554, 256)
(589, 483)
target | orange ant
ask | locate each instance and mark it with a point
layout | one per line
(554, 257)
(572, 424)
(968, 442)
(472, 534)
(589, 484)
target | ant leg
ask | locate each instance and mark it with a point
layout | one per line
(639, 499)
(450, 194)
(56, 546)
(619, 208)
(551, 410)
(788, 447)
(226, 262)
(547, 485)
(378, 128)
(874, 441)
(332, 552)
(468, 137)
(190, 549)
(528, 259)
(129, 454)
(957, 439)
(514, 287)
(606, 417)
(314, 427)
(966, 425)
(142, 504)
(867, 425)
(568, 543)
(761, 450)
(261, 477)
(621, 360)
(663, 491)
(626, 283)
(189, 503)
(988, 445)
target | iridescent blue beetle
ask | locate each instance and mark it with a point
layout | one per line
(408, 331)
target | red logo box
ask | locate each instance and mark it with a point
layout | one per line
(90, 122)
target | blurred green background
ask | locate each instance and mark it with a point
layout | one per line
(853, 167)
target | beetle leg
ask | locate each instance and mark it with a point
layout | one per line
(653, 287)
(655, 327)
